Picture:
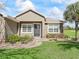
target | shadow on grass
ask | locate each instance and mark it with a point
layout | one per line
(68, 45)
(2, 51)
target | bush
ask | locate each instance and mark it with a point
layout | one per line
(25, 38)
(51, 36)
(60, 36)
(13, 38)
(56, 36)
(66, 36)
(74, 39)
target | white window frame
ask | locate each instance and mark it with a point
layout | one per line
(53, 26)
(27, 30)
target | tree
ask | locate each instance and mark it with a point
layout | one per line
(72, 14)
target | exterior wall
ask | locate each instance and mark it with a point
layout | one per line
(8, 27)
(19, 28)
(29, 33)
(44, 29)
(30, 16)
(11, 27)
(2, 28)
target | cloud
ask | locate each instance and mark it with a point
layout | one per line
(21, 5)
(25, 5)
(71, 24)
(67, 2)
(57, 1)
(41, 5)
(3, 13)
(2, 5)
(2, 8)
(6, 10)
(56, 12)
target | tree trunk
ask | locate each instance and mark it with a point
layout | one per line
(76, 29)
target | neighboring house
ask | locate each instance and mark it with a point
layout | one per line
(32, 23)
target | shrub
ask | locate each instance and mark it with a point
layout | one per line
(51, 36)
(66, 36)
(13, 38)
(74, 39)
(25, 38)
(61, 35)
(56, 36)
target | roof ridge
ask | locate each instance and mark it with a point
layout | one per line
(31, 11)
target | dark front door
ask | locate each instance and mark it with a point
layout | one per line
(37, 30)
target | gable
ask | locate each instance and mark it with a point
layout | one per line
(30, 16)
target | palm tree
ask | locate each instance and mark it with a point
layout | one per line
(72, 14)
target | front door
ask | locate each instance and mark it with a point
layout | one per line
(37, 30)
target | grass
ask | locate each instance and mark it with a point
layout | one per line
(48, 50)
(70, 33)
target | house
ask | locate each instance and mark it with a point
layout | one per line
(32, 23)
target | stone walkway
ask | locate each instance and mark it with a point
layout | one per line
(31, 44)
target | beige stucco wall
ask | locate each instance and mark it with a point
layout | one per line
(11, 27)
(30, 16)
(29, 33)
(2, 28)
(23, 34)
(43, 30)
(46, 27)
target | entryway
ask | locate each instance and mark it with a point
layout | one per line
(37, 30)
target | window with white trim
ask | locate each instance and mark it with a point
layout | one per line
(50, 29)
(53, 28)
(26, 28)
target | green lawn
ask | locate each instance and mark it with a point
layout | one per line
(48, 50)
(70, 33)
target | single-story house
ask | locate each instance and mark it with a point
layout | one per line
(32, 23)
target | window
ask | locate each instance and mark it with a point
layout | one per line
(29, 28)
(53, 28)
(50, 28)
(26, 28)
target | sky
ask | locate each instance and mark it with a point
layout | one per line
(48, 8)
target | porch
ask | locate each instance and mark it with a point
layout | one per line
(35, 29)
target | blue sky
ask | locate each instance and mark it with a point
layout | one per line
(49, 8)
